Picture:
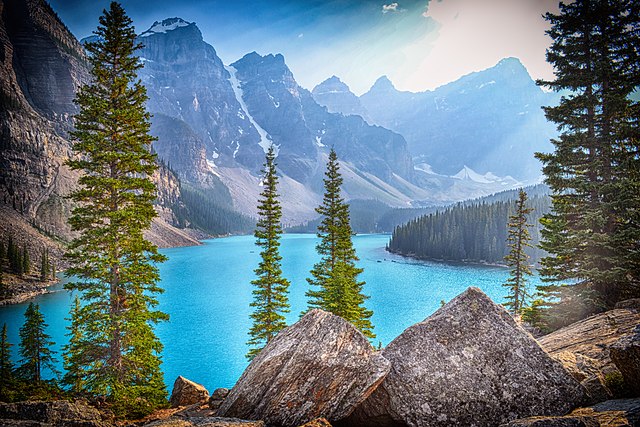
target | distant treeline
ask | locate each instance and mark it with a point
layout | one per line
(468, 231)
(209, 212)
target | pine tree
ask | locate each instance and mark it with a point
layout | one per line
(113, 263)
(519, 239)
(592, 233)
(336, 276)
(74, 365)
(44, 265)
(6, 366)
(35, 346)
(26, 261)
(270, 300)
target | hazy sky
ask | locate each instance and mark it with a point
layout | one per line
(419, 45)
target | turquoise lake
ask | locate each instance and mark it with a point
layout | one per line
(208, 291)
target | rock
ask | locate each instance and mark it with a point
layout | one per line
(318, 422)
(612, 413)
(321, 366)
(218, 396)
(50, 414)
(625, 354)
(589, 341)
(467, 364)
(205, 422)
(588, 372)
(186, 392)
(632, 304)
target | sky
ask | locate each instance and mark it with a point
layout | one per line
(418, 45)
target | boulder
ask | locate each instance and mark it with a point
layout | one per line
(589, 341)
(186, 392)
(318, 422)
(216, 399)
(612, 413)
(467, 364)
(50, 414)
(321, 366)
(625, 354)
(204, 422)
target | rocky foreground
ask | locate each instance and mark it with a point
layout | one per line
(469, 364)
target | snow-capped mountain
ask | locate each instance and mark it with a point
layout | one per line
(214, 122)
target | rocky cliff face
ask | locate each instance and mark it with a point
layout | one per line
(42, 65)
(187, 82)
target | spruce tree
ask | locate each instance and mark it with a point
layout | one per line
(519, 239)
(74, 365)
(270, 301)
(592, 233)
(6, 366)
(115, 266)
(44, 265)
(35, 346)
(334, 281)
(26, 261)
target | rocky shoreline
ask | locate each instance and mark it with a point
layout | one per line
(469, 364)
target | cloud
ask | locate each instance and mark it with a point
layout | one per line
(391, 7)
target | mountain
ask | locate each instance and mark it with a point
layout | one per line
(213, 124)
(338, 98)
(42, 65)
(490, 121)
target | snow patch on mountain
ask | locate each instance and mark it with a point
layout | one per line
(165, 25)
(265, 139)
(468, 174)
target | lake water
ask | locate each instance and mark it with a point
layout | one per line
(208, 291)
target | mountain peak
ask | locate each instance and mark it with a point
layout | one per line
(383, 84)
(331, 85)
(169, 24)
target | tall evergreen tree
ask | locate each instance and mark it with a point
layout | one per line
(519, 239)
(592, 233)
(113, 263)
(26, 261)
(6, 366)
(44, 265)
(335, 277)
(35, 344)
(270, 300)
(74, 364)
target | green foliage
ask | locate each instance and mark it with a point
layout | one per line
(517, 259)
(26, 261)
(44, 265)
(270, 300)
(115, 268)
(593, 231)
(35, 346)
(336, 276)
(204, 210)
(6, 366)
(74, 357)
(473, 231)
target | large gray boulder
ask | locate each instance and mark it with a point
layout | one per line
(321, 366)
(468, 364)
